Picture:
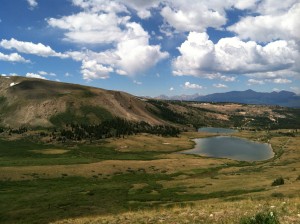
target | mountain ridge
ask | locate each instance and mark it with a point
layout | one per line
(282, 98)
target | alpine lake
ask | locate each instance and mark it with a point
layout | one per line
(230, 147)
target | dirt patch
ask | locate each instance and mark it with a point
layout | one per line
(51, 151)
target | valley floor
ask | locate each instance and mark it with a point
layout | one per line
(142, 179)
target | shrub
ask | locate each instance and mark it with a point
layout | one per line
(277, 195)
(278, 181)
(261, 218)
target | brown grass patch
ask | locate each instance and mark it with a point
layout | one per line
(50, 151)
(212, 211)
(148, 142)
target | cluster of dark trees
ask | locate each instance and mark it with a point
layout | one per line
(20, 130)
(165, 112)
(116, 127)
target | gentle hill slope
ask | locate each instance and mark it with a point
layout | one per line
(38, 102)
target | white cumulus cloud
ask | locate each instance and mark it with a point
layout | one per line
(93, 70)
(134, 51)
(282, 81)
(32, 3)
(192, 15)
(220, 85)
(33, 75)
(200, 57)
(255, 82)
(91, 28)
(30, 48)
(13, 57)
(129, 51)
(188, 85)
(271, 26)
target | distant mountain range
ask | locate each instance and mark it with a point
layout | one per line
(282, 98)
(179, 97)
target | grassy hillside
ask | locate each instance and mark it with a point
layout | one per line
(41, 103)
(35, 102)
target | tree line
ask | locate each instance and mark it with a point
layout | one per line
(115, 127)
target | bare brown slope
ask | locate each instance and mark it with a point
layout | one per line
(27, 101)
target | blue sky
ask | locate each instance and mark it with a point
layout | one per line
(154, 47)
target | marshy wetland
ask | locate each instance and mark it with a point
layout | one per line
(140, 178)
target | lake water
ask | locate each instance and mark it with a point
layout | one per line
(217, 130)
(231, 148)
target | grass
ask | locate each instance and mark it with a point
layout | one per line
(2, 99)
(44, 200)
(210, 212)
(152, 184)
(261, 218)
(88, 115)
(24, 153)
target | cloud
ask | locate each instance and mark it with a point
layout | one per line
(93, 70)
(255, 82)
(200, 57)
(276, 23)
(197, 53)
(225, 78)
(11, 74)
(274, 7)
(142, 8)
(184, 16)
(190, 15)
(96, 6)
(121, 72)
(188, 85)
(127, 43)
(282, 81)
(46, 73)
(137, 82)
(273, 74)
(132, 54)
(91, 28)
(42, 73)
(13, 57)
(32, 4)
(295, 90)
(30, 48)
(134, 51)
(276, 81)
(220, 85)
(96, 65)
(33, 75)
(171, 89)
(242, 4)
